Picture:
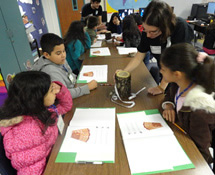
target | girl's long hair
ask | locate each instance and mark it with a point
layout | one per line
(26, 97)
(74, 33)
(111, 19)
(129, 28)
(160, 14)
(183, 57)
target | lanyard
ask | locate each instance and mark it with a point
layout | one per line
(177, 97)
(65, 68)
(54, 108)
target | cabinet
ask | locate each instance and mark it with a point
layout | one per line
(14, 46)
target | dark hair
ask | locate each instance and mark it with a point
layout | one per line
(92, 21)
(160, 14)
(26, 97)
(111, 26)
(112, 16)
(211, 28)
(74, 33)
(137, 18)
(130, 28)
(48, 41)
(96, 1)
(183, 57)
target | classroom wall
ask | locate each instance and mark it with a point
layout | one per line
(182, 8)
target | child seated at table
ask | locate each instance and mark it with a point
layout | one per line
(54, 63)
(91, 28)
(131, 35)
(115, 24)
(209, 42)
(76, 42)
(190, 97)
(28, 120)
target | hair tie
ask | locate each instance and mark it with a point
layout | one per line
(201, 57)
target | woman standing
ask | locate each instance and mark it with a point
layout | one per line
(161, 29)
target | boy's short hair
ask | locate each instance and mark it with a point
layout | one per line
(95, 1)
(48, 41)
(92, 21)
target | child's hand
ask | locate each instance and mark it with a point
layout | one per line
(169, 114)
(95, 40)
(116, 44)
(118, 38)
(55, 88)
(92, 84)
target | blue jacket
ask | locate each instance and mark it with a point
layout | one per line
(74, 50)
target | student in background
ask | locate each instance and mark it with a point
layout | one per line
(161, 29)
(209, 42)
(76, 42)
(139, 22)
(190, 97)
(131, 35)
(28, 119)
(115, 24)
(91, 28)
(93, 9)
(54, 63)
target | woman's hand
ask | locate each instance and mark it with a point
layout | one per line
(92, 85)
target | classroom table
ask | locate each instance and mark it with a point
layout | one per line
(100, 97)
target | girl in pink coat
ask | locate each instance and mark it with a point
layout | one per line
(28, 120)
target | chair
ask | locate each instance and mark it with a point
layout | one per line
(5, 164)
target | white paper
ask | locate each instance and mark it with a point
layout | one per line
(116, 35)
(100, 73)
(126, 50)
(132, 127)
(97, 44)
(101, 36)
(152, 150)
(101, 143)
(103, 51)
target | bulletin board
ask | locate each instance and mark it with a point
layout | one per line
(34, 11)
(114, 5)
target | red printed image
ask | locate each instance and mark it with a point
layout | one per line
(151, 125)
(81, 134)
(88, 74)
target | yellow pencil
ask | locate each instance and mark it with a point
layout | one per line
(179, 128)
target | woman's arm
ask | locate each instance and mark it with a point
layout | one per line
(135, 62)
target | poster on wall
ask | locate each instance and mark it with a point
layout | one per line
(114, 6)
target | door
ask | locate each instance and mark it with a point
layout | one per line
(68, 11)
(14, 46)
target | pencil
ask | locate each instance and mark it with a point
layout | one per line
(105, 84)
(179, 128)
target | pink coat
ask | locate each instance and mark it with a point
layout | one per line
(25, 145)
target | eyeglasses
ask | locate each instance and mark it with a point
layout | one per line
(152, 32)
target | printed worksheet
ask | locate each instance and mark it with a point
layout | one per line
(97, 44)
(100, 37)
(150, 144)
(90, 136)
(126, 50)
(93, 72)
(102, 51)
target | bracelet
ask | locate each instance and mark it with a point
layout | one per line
(167, 102)
(161, 88)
